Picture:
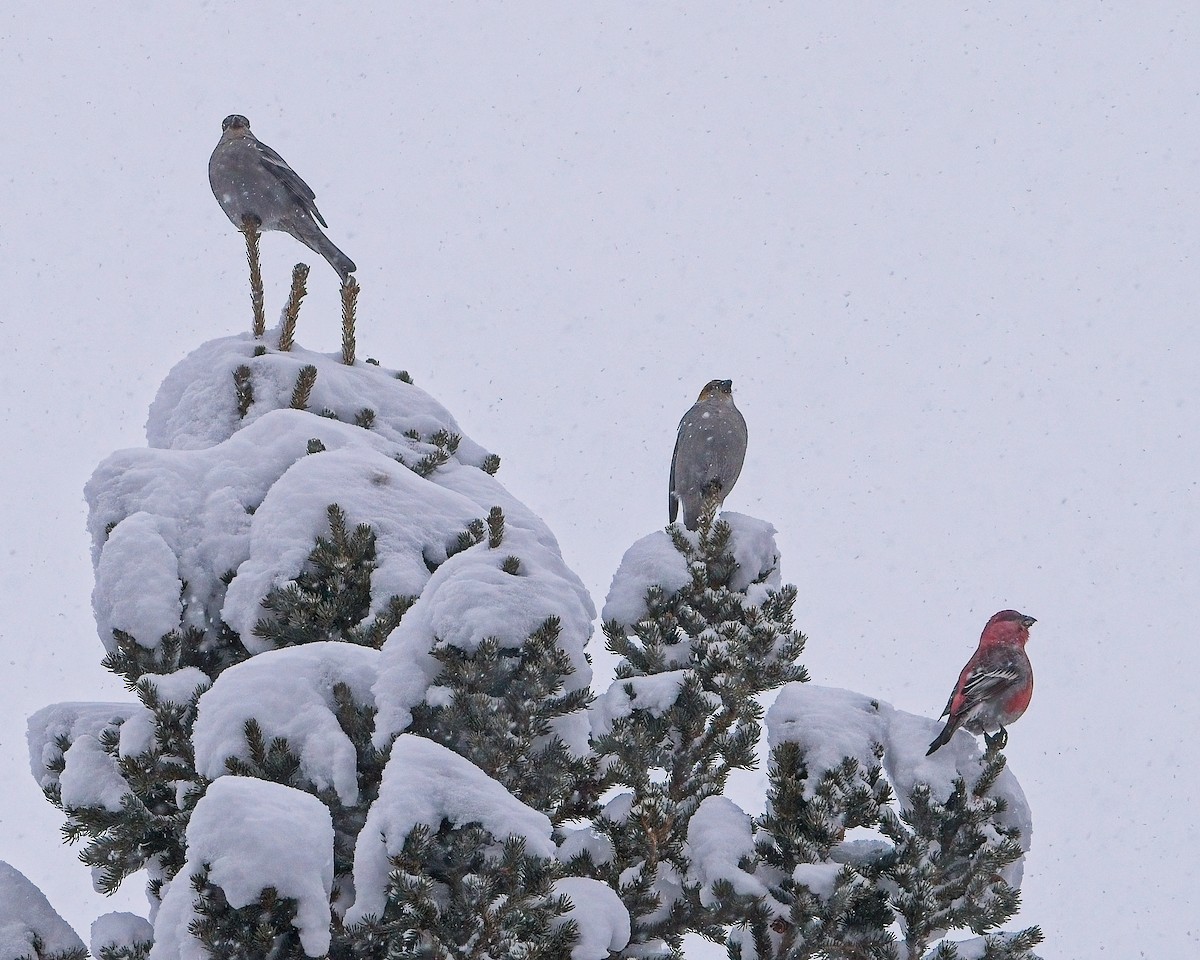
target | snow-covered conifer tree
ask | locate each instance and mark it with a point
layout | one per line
(360, 678)
(865, 847)
(362, 723)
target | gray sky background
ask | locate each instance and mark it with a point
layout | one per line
(946, 252)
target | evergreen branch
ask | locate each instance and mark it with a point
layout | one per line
(244, 388)
(350, 290)
(249, 228)
(304, 384)
(495, 524)
(291, 312)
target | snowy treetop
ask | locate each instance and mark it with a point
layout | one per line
(195, 407)
(231, 507)
(654, 561)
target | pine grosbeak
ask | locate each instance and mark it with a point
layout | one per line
(994, 687)
(248, 178)
(709, 451)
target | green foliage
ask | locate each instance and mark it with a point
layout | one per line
(302, 392)
(801, 828)
(135, 951)
(243, 386)
(444, 445)
(935, 866)
(275, 760)
(500, 705)
(259, 931)
(212, 651)
(39, 952)
(458, 892)
(948, 856)
(998, 946)
(164, 787)
(331, 598)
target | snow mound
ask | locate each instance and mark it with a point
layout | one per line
(651, 561)
(253, 834)
(25, 913)
(586, 839)
(91, 777)
(757, 555)
(139, 550)
(424, 782)
(117, 930)
(196, 516)
(289, 693)
(655, 693)
(415, 523)
(830, 724)
(600, 915)
(72, 721)
(470, 599)
(196, 405)
(719, 835)
(654, 561)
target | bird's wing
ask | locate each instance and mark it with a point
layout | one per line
(290, 179)
(672, 500)
(984, 683)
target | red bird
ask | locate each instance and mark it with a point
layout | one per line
(994, 687)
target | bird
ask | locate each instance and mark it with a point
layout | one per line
(248, 178)
(709, 451)
(995, 686)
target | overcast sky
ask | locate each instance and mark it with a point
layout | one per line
(946, 252)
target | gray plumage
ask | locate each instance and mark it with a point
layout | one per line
(249, 178)
(709, 451)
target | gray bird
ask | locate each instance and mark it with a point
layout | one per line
(708, 454)
(249, 178)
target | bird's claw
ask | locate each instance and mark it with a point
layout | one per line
(996, 741)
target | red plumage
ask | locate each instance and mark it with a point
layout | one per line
(996, 685)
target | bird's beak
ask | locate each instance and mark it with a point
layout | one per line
(1030, 621)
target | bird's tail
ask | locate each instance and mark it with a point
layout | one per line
(338, 260)
(943, 738)
(309, 234)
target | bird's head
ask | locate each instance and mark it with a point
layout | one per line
(235, 123)
(1008, 626)
(717, 388)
